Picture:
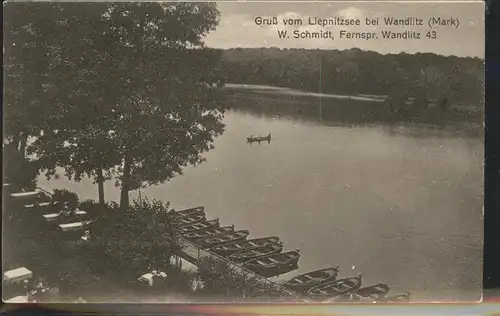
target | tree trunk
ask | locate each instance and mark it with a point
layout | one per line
(100, 186)
(24, 142)
(124, 198)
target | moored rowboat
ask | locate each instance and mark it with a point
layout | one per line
(190, 211)
(228, 249)
(188, 220)
(336, 287)
(222, 238)
(209, 232)
(199, 226)
(260, 265)
(367, 294)
(246, 255)
(305, 281)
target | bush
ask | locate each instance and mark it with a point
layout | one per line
(63, 195)
(93, 208)
(133, 242)
(180, 281)
(19, 171)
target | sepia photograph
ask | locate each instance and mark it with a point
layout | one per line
(243, 152)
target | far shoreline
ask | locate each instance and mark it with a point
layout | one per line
(294, 92)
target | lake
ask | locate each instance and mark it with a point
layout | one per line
(400, 203)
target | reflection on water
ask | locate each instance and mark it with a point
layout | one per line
(331, 111)
(402, 207)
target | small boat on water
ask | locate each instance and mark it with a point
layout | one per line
(228, 249)
(188, 220)
(246, 255)
(222, 238)
(262, 265)
(258, 139)
(370, 293)
(304, 282)
(209, 232)
(199, 226)
(336, 287)
(190, 211)
(395, 299)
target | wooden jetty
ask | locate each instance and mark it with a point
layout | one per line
(193, 253)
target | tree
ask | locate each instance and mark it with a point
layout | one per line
(169, 109)
(357, 72)
(142, 97)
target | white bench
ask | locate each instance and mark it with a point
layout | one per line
(54, 216)
(73, 226)
(18, 299)
(44, 204)
(17, 275)
(26, 195)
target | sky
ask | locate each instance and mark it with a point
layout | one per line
(237, 27)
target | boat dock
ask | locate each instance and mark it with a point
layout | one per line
(193, 253)
(196, 227)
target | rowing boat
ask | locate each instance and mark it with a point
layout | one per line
(188, 220)
(367, 294)
(228, 249)
(336, 287)
(306, 281)
(199, 226)
(395, 299)
(190, 211)
(222, 238)
(209, 232)
(246, 255)
(264, 265)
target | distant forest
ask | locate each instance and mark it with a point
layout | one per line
(354, 71)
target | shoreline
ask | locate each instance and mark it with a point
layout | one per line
(265, 89)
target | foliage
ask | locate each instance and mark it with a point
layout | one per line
(63, 195)
(141, 97)
(18, 171)
(135, 241)
(221, 280)
(180, 280)
(359, 72)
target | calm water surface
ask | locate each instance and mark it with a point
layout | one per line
(396, 204)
